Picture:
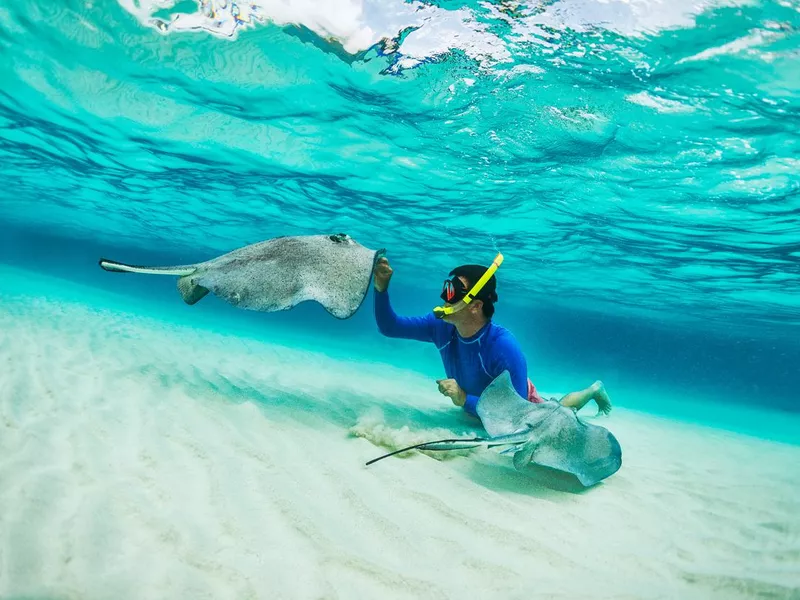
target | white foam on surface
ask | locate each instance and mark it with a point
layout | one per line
(356, 24)
(360, 24)
(631, 18)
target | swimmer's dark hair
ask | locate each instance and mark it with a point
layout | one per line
(489, 292)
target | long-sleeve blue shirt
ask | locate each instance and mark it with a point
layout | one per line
(474, 362)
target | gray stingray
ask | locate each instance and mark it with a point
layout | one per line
(557, 437)
(277, 274)
(546, 434)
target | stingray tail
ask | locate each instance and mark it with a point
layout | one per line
(435, 445)
(458, 444)
(118, 267)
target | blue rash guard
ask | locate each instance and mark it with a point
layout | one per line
(474, 362)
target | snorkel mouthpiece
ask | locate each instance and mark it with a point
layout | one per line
(440, 311)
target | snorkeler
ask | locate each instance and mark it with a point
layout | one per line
(474, 350)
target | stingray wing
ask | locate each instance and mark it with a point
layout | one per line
(278, 274)
(559, 439)
(341, 275)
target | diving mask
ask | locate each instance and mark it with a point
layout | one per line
(454, 292)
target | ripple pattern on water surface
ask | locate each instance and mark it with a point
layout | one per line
(628, 158)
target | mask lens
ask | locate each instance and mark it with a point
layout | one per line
(452, 291)
(448, 291)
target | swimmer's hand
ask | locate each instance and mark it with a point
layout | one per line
(451, 389)
(383, 273)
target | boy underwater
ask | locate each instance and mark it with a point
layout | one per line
(474, 349)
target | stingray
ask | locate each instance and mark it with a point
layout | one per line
(546, 434)
(278, 274)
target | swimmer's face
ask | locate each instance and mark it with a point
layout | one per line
(473, 309)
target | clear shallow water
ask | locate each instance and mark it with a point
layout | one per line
(636, 164)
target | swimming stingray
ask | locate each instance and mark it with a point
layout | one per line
(546, 434)
(278, 274)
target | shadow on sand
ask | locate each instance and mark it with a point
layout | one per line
(541, 482)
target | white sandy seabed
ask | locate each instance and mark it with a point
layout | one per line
(143, 459)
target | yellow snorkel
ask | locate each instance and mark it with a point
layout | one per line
(441, 311)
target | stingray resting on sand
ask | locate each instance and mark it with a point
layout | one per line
(277, 274)
(546, 434)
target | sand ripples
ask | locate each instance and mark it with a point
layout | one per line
(141, 459)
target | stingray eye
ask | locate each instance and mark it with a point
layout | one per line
(339, 237)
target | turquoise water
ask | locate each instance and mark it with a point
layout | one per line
(636, 164)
